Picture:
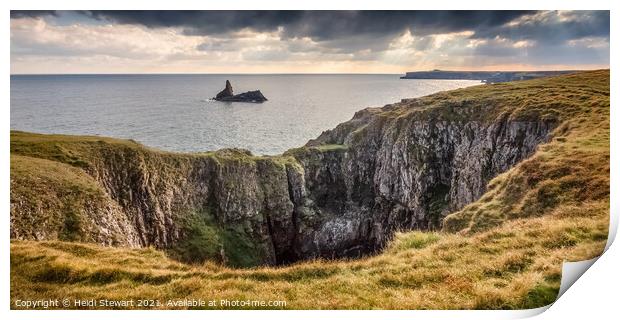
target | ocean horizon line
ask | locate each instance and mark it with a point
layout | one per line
(190, 73)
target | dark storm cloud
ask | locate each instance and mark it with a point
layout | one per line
(318, 25)
(344, 32)
(16, 14)
(553, 27)
(201, 22)
(334, 25)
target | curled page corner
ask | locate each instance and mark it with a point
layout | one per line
(613, 229)
(528, 313)
(571, 271)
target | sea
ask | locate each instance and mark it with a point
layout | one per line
(175, 112)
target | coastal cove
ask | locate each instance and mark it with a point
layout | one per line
(502, 181)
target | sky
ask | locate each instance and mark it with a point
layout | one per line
(54, 42)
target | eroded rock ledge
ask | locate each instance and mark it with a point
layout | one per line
(401, 167)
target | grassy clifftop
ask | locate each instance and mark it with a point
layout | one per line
(121, 193)
(572, 169)
(503, 251)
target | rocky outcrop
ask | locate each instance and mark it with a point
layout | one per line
(226, 93)
(404, 166)
(244, 199)
(375, 175)
(250, 96)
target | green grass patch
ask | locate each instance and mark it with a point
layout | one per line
(413, 240)
(540, 296)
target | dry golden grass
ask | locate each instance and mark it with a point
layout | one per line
(506, 253)
(516, 265)
(571, 169)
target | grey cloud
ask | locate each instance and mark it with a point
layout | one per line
(17, 14)
(319, 25)
(364, 35)
(335, 25)
(220, 45)
(564, 53)
(553, 27)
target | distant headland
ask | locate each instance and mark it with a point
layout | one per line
(484, 76)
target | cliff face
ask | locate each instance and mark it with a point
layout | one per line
(243, 200)
(404, 166)
(375, 174)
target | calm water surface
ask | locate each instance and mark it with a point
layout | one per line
(174, 112)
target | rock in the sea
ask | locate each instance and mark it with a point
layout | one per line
(227, 92)
(250, 96)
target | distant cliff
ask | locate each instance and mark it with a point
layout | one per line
(404, 166)
(484, 76)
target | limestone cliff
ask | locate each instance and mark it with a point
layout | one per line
(404, 166)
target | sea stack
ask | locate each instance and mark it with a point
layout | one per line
(250, 96)
(227, 92)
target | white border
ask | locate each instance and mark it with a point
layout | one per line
(595, 294)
